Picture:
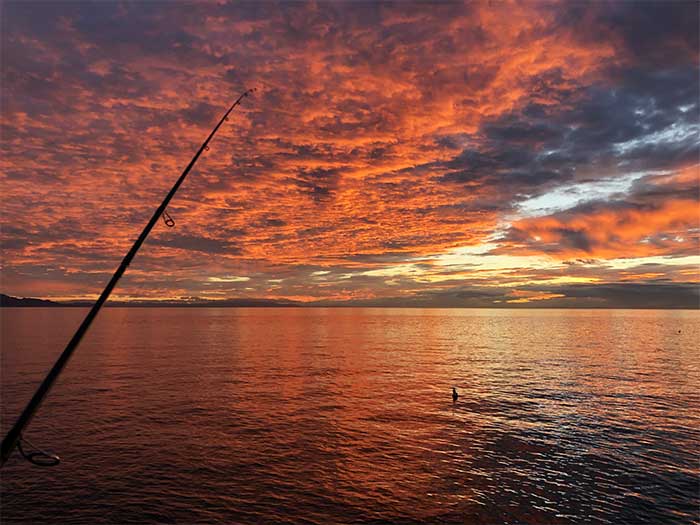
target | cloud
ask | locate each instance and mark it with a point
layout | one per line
(659, 217)
(381, 135)
(612, 295)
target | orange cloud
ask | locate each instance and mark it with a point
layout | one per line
(667, 228)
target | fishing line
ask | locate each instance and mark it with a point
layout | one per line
(38, 457)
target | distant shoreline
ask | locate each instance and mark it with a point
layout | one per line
(26, 302)
(7, 301)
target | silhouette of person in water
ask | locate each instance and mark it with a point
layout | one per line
(455, 395)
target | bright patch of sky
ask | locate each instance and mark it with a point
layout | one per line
(394, 271)
(228, 279)
(623, 264)
(478, 257)
(571, 195)
(470, 258)
(674, 134)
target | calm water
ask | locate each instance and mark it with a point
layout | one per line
(345, 416)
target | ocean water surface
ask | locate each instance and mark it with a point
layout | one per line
(287, 415)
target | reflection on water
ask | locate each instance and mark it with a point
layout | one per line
(345, 416)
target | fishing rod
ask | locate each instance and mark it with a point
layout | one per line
(14, 436)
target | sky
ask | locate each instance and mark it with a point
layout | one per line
(484, 154)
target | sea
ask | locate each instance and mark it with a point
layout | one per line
(345, 416)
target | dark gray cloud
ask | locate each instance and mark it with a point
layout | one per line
(638, 28)
(612, 295)
(649, 122)
(636, 295)
(199, 244)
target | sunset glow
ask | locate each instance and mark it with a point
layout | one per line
(480, 154)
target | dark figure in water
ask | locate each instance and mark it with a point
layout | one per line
(455, 395)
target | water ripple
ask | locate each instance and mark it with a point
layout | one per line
(344, 416)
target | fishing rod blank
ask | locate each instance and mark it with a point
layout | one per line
(14, 436)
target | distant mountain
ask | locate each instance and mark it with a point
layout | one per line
(612, 295)
(14, 302)
(203, 303)
(6, 300)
